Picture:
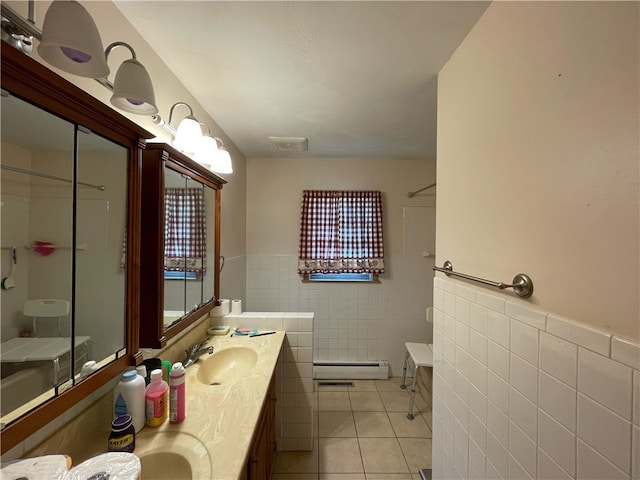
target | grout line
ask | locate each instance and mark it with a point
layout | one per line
(317, 437)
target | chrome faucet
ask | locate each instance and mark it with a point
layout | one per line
(195, 351)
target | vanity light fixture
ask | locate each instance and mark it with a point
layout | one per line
(208, 154)
(188, 133)
(223, 160)
(132, 87)
(207, 149)
(71, 41)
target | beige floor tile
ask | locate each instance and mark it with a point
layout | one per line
(333, 402)
(382, 455)
(339, 455)
(342, 476)
(427, 415)
(297, 462)
(336, 424)
(389, 476)
(397, 402)
(417, 452)
(403, 427)
(390, 385)
(363, 386)
(373, 424)
(366, 402)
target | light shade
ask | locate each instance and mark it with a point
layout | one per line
(188, 135)
(71, 41)
(132, 89)
(222, 163)
(207, 151)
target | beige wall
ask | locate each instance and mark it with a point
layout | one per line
(538, 156)
(274, 195)
(113, 26)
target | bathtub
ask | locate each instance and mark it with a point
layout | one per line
(171, 316)
(22, 386)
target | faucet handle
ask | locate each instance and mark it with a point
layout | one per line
(196, 346)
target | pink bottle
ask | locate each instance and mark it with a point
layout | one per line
(155, 397)
(176, 393)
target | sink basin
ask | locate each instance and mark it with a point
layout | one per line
(172, 455)
(227, 365)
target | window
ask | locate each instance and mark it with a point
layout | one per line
(341, 235)
(184, 233)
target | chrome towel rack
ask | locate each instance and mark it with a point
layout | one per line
(522, 284)
(411, 194)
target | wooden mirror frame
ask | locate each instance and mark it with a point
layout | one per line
(31, 81)
(156, 157)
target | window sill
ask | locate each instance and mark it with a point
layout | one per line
(306, 279)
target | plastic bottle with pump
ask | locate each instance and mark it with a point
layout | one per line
(177, 394)
(156, 399)
(128, 398)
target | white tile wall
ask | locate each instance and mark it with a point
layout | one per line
(354, 321)
(297, 402)
(546, 397)
(606, 381)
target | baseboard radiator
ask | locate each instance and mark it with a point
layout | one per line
(376, 370)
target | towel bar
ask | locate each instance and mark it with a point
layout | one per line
(522, 284)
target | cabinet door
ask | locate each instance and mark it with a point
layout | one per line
(70, 189)
(271, 425)
(180, 266)
(260, 467)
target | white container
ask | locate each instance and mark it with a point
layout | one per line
(128, 398)
(177, 394)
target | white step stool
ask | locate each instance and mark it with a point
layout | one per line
(421, 355)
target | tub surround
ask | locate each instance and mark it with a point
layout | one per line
(223, 418)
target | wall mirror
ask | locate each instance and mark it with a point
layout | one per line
(69, 238)
(181, 238)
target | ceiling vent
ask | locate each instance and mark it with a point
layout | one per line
(290, 144)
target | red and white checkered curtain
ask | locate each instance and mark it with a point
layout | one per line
(184, 230)
(341, 232)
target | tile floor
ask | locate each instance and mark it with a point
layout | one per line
(362, 433)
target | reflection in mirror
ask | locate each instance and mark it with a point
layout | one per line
(189, 219)
(174, 274)
(35, 212)
(51, 324)
(101, 219)
(196, 261)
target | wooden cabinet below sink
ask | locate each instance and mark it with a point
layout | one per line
(263, 447)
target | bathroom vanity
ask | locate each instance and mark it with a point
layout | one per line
(229, 429)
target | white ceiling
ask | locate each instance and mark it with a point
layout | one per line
(358, 79)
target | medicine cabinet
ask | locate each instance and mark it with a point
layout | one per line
(70, 203)
(180, 243)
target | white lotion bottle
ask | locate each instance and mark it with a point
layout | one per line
(177, 393)
(128, 398)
